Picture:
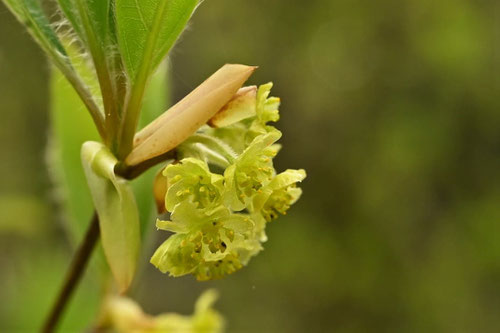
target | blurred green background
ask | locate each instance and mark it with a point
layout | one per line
(392, 107)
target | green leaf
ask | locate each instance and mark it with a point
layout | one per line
(117, 210)
(146, 32)
(148, 29)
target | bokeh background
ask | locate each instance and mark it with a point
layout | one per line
(392, 107)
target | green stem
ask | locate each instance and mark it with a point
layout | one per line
(130, 119)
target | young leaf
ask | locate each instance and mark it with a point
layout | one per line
(117, 210)
(183, 119)
(148, 29)
(146, 32)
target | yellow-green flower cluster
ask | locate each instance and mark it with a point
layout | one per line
(123, 315)
(218, 217)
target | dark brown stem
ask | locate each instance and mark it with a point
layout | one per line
(132, 172)
(74, 274)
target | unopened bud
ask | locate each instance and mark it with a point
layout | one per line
(241, 106)
(160, 187)
(183, 119)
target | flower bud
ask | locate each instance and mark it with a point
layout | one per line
(183, 119)
(241, 106)
(160, 186)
